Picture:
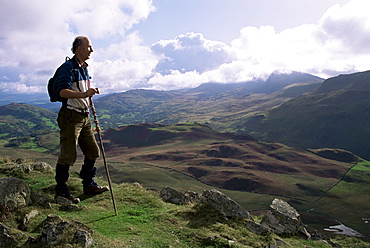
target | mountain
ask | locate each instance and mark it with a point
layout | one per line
(327, 181)
(19, 119)
(222, 106)
(336, 114)
(280, 79)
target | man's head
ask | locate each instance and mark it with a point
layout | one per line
(82, 48)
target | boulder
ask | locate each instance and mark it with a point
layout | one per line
(223, 204)
(11, 237)
(42, 167)
(56, 232)
(40, 200)
(173, 196)
(258, 228)
(6, 239)
(14, 193)
(282, 218)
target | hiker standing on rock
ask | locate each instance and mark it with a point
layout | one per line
(74, 122)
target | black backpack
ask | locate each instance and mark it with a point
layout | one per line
(53, 82)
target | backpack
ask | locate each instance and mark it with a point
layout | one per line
(53, 82)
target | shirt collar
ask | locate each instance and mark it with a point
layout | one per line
(84, 65)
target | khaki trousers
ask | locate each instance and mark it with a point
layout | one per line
(75, 129)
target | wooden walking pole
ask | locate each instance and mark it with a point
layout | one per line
(97, 128)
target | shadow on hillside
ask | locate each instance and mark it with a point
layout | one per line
(102, 218)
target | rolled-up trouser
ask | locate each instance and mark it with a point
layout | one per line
(75, 128)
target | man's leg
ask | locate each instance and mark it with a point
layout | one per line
(90, 149)
(70, 125)
(87, 174)
(61, 177)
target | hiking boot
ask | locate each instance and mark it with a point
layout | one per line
(95, 189)
(74, 200)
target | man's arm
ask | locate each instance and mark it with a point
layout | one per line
(67, 93)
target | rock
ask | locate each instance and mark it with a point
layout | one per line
(26, 219)
(57, 232)
(282, 218)
(257, 228)
(42, 167)
(66, 204)
(6, 240)
(173, 196)
(40, 200)
(24, 167)
(223, 204)
(83, 237)
(14, 192)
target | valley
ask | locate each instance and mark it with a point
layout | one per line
(295, 136)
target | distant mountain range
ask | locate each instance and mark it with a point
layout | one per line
(336, 114)
(293, 108)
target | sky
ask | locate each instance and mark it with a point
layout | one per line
(175, 44)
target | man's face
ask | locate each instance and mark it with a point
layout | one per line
(86, 49)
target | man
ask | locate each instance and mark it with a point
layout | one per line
(74, 122)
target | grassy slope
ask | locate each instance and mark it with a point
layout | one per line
(167, 164)
(303, 178)
(145, 221)
(336, 115)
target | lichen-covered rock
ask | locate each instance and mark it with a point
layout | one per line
(14, 192)
(6, 240)
(10, 237)
(282, 218)
(42, 167)
(225, 205)
(173, 196)
(57, 232)
(258, 228)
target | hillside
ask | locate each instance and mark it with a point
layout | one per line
(335, 115)
(221, 106)
(309, 178)
(19, 119)
(330, 182)
(143, 219)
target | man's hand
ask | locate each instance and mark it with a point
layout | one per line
(90, 92)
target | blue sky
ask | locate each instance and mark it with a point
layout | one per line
(173, 44)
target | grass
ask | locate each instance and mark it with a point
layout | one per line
(144, 220)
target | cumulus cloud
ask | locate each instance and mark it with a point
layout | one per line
(337, 43)
(36, 36)
(190, 52)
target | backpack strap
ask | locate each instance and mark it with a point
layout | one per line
(75, 70)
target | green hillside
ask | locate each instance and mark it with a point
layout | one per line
(143, 220)
(335, 115)
(18, 119)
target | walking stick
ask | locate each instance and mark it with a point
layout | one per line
(97, 128)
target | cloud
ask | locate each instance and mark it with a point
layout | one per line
(37, 35)
(35, 38)
(337, 43)
(190, 52)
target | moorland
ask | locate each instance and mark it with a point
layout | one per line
(294, 136)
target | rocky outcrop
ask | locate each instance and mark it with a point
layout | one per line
(14, 193)
(19, 166)
(56, 232)
(225, 205)
(216, 199)
(173, 196)
(7, 237)
(282, 218)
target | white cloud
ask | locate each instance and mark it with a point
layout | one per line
(190, 52)
(36, 36)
